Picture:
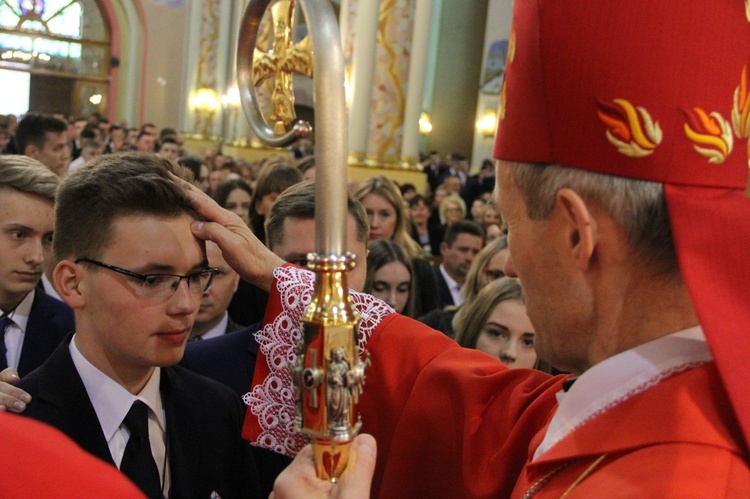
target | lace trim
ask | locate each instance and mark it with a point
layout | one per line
(271, 401)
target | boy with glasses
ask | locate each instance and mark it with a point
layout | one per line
(134, 274)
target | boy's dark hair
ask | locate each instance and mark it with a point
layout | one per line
(92, 197)
(33, 130)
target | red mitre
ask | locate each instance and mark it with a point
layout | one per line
(656, 90)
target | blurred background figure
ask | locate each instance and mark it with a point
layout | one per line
(385, 210)
(235, 195)
(427, 235)
(199, 169)
(486, 267)
(452, 209)
(273, 179)
(496, 323)
(390, 276)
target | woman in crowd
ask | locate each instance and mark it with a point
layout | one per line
(428, 236)
(389, 276)
(385, 210)
(496, 323)
(235, 196)
(490, 215)
(486, 267)
(452, 209)
(273, 179)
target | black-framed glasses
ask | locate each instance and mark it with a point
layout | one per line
(162, 285)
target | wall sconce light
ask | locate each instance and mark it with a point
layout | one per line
(206, 102)
(231, 102)
(425, 124)
(487, 124)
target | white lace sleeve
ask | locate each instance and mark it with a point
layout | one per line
(271, 401)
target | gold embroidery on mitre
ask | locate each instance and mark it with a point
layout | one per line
(512, 45)
(629, 128)
(711, 134)
(747, 9)
(741, 108)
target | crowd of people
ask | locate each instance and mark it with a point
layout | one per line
(44, 331)
(586, 281)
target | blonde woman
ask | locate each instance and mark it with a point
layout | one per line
(384, 206)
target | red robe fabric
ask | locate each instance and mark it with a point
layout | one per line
(453, 422)
(39, 461)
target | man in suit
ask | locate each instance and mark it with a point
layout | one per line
(31, 323)
(125, 247)
(462, 242)
(213, 320)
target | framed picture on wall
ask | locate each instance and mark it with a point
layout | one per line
(494, 68)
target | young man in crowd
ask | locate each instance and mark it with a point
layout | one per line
(44, 138)
(623, 153)
(134, 274)
(213, 320)
(32, 324)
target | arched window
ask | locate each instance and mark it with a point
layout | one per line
(61, 36)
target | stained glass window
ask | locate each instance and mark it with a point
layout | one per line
(65, 36)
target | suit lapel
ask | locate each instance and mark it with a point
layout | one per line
(35, 349)
(184, 456)
(62, 392)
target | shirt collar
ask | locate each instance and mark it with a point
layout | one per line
(111, 400)
(20, 316)
(619, 377)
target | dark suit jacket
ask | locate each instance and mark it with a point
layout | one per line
(445, 293)
(50, 321)
(204, 424)
(248, 304)
(425, 287)
(230, 359)
(232, 326)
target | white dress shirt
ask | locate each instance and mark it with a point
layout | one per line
(15, 332)
(112, 402)
(618, 378)
(49, 288)
(453, 286)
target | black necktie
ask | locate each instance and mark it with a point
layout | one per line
(137, 461)
(5, 322)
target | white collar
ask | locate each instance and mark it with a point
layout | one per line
(20, 315)
(111, 400)
(49, 288)
(217, 330)
(453, 286)
(618, 378)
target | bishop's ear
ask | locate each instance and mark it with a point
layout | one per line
(67, 281)
(580, 225)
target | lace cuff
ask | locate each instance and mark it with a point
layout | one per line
(269, 421)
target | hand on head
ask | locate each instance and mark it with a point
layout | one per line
(298, 480)
(241, 249)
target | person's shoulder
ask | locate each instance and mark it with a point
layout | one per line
(187, 382)
(43, 462)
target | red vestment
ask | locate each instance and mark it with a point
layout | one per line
(39, 461)
(454, 422)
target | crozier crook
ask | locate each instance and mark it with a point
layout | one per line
(327, 373)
